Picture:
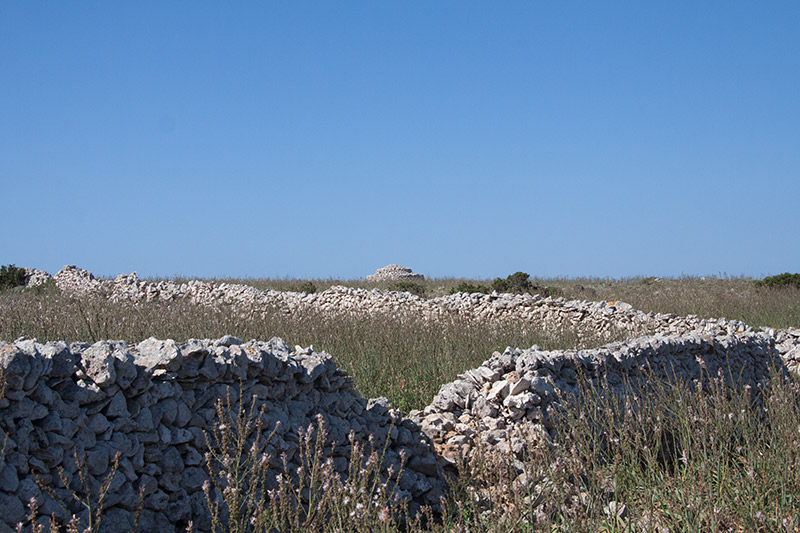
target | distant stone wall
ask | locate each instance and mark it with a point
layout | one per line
(153, 403)
(604, 320)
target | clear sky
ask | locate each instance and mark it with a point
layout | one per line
(328, 139)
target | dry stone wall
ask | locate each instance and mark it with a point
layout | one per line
(512, 395)
(154, 402)
(35, 277)
(605, 320)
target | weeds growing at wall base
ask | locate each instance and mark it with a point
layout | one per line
(313, 498)
(668, 457)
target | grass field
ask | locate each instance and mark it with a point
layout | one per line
(686, 462)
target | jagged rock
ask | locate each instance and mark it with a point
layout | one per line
(11, 509)
(153, 353)
(98, 364)
(8, 478)
(76, 280)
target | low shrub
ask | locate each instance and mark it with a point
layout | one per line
(520, 283)
(781, 280)
(549, 290)
(466, 286)
(517, 282)
(308, 287)
(44, 289)
(11, 276)
(410, 286)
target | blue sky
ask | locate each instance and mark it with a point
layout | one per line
(328, 139)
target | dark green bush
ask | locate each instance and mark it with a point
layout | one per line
(466, 286)
(11, 276)
(520, 283)
(410, 286)
(517, 282)
(501, 285)
(308, 287)
(46, 288)
(548, 290)
(781, 280)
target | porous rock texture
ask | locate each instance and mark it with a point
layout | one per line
(394, 273)
(154, 403)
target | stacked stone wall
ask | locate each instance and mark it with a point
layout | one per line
(514, 393)
(604, 320)
(155, 403)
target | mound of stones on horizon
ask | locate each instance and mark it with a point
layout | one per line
(394, 273)
(152, 401)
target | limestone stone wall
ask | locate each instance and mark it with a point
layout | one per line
(605, 320)
(154, 403)
(513, 393)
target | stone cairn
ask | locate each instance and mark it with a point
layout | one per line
(155, 402)
(394, 273)
(152, 401)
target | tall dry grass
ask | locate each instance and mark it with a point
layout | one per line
(405, 360)
(732, 298)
